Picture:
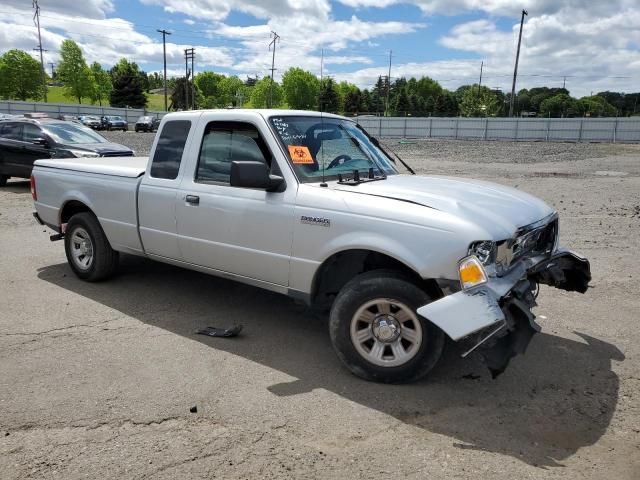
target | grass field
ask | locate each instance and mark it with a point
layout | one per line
(56, 95)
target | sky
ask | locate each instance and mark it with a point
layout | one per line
(587, 45)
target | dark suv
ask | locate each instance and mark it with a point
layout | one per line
(114, 122)
(147, 123)
(25, 140)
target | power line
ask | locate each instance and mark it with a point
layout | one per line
(515, 70)
(273, 42)
(164, 59)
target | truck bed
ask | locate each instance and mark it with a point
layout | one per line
(108, 186)
(131, 167)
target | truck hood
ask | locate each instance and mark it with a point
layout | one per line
(497, 209)
(102, 148)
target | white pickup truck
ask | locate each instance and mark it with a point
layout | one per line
(309, 205)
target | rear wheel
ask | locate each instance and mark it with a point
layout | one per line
(377, 333)
(89, 253)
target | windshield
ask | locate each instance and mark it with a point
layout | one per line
(119, 119)
(335, 144)
(72, 134)
(144, 119)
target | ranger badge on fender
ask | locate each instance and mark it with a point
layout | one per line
(319, 221)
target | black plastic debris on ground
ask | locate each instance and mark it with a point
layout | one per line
(221, 332)
(194, 409)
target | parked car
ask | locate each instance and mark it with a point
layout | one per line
(311, 206)
(114, 122)
(22, 141)
(147, 123)
(91, 121)
(69, 118)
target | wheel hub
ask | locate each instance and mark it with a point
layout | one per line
(386, 328)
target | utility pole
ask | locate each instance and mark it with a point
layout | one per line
(564, 81)
(36, 20)
(480, 82)
(515, 70)
(193, 79)
(275, 37)
(189, 53)
(51, 64)
(164, 56)
(388, 83)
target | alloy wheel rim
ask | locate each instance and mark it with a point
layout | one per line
(386, 332)
(81, 249)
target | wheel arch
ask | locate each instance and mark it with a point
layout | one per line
(72, 207)
(340, 267)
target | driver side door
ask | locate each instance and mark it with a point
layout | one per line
(242, 231)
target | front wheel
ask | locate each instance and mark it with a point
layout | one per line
(3, 180)
(89, 253)
(377, 333)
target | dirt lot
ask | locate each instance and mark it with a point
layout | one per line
(97, 380)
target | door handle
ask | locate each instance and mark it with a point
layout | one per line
(192, 199)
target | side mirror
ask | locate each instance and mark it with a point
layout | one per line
(40, 141)
(251, 174)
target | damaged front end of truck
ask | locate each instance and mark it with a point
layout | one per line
(499, 283)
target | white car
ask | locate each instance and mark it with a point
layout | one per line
(309, 205)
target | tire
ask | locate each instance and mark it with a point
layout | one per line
(413, 345)
(3, 180)
(89, 253)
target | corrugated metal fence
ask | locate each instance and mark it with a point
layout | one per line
(525, 129)
(531, 129)
(54, 109)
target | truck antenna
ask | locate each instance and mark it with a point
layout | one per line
(323, 184)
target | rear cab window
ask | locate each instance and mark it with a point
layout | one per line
(169, 149)
(11, 131)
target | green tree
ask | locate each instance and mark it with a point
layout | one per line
(596, 106)
(234, 92)
(101, 84)
(210, 86)
(20, 76)
(328, 95)
(561, 105)
(73, 71)
(128, 85)
(300, 89)
(352, 102)
(177, 101)
(346, 89)
(402, 106)
(260, 94)
(478, 102)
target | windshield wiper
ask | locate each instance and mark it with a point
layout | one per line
(376, 142)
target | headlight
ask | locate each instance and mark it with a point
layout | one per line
(82, 153)
(471, 272)
(485, 251)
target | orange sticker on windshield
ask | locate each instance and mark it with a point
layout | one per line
(300, 155)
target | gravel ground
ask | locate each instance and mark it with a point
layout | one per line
(97, 380)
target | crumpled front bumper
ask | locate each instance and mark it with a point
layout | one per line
(496, 317)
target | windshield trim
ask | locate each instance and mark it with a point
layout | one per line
(327, 177)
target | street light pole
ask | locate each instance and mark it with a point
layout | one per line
(515, 70)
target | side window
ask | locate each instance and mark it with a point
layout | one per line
(168, 154)
(224, 142)
(11, 131)
(31, 132)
